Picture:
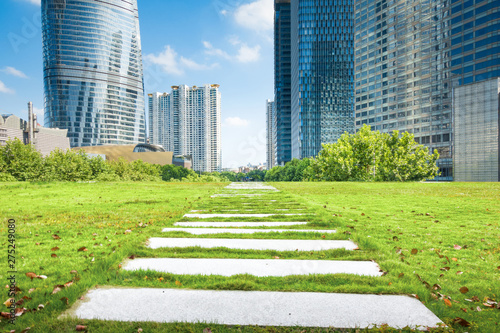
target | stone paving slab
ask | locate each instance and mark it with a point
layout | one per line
(253, 308)
(255, 267)
(250, 186)
(209, 216)
(253, 244)
(236, 194)
(206, 231)
(236, 224)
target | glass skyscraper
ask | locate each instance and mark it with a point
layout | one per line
(475, 41)
(402, 71)
(282, 80)
(93, 76)
(322, 73)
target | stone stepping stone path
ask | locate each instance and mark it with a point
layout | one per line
(253, 244)
(256, 267)
(209, 216)
(306, 309)
(206, 231)
(262, 308)
(236, 224)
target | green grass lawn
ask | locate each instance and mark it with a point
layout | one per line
(431, 239)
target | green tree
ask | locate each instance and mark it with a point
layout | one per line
(402, 159)
(67, 166)
(369, 155)
(21, 161)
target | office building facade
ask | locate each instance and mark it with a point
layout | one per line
(93, 75)
(270, 134)
(322, 42)
(187, 121)
(282, 80)
(402, 72)
(476, 131)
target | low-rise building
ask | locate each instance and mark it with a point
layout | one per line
(44, 139)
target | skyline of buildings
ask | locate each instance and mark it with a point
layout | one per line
(408, 58)
(93, 71)
(187, 121)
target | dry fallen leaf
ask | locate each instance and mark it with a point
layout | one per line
(56, 237)
(54, 249)
(53, 255)
(461, 322)
(74, 272)
(457, 247)
(414, 251)
(9, 302)
(447, 302)
(83, 248)
(31, 275)
(65, 300)
(464, 290)
(5, 315)
(178, 283)
(57, 289)
(81, 328)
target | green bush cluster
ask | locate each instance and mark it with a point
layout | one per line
(20, 162)
(364, 156)
(294, 171)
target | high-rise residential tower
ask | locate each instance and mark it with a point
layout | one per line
(93, 75)
(322, 44)
(187, 121)
(270, 134)
(282, 80)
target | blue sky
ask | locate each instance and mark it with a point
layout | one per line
(193, 42)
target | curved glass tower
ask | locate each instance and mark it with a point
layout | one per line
(93, 71)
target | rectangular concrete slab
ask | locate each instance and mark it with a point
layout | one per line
(206, 231)
(256, 267)
(253, 308)
(235, 195)
(209, 216)
(236, 224)
(254, 244)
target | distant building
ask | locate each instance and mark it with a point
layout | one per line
(270, 134)
(43, 139)
(93, 75)
(476, 131)
(187, 121)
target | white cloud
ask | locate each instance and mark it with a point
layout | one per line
(12, 71)
(4, 89)
(167, 60)
(257, 15)
(223, 12)
(39, 114)
(174, 64)
(34, 2)
(235, 122)
(245, 53)
(210, 50)
(248, 54)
